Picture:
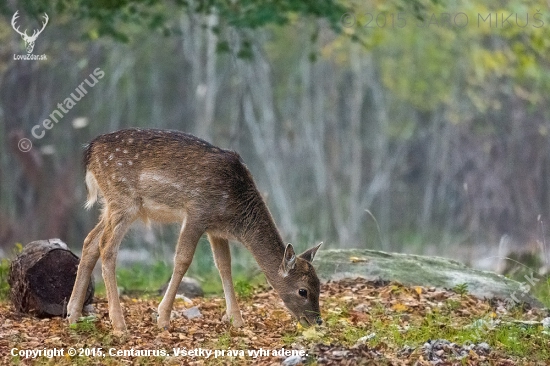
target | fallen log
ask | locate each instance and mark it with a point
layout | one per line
(41, 279)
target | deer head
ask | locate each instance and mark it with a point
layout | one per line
(299, 286)
(29, 40)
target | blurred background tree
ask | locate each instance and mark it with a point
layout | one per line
(432, 116)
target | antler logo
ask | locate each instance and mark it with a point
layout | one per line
(29, 40)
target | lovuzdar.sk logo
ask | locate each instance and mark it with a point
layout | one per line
(29, 40)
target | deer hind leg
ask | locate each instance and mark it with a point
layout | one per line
(222, 258)
(90, 255)
(187, 242)
(115, 229)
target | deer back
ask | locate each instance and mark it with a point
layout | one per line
(165, 175)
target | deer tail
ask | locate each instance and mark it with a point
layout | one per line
(93, 189)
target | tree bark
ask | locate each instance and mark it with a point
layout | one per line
(42, 278)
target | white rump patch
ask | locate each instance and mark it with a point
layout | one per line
(93, 189)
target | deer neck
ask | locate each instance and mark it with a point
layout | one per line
(262, 239)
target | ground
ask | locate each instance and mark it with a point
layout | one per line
(364, 323)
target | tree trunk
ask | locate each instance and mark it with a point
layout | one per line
(42, 278)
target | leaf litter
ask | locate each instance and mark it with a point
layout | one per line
(365, 323)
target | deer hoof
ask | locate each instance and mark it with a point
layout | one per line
(164, 325)
(118, 327)
(234, 320)
(119, 333)
(73, 317)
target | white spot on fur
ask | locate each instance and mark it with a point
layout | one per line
(111, 157)
(157, 179)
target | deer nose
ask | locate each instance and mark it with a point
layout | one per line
(319, 321)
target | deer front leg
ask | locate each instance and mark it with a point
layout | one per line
(108, 246)
(90, 255)
(222, 258)
(187, 242)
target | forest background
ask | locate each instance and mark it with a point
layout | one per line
(410, 126)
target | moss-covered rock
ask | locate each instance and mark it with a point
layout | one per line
(417, 270)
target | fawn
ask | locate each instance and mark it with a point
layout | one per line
(173, 177)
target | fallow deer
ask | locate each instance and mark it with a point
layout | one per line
(170, 176)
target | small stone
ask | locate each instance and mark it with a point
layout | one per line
(340, 354)
(192, 313)
(365, 339)
(292, 361)
(88, 309)
(188, 287)
(483, 346)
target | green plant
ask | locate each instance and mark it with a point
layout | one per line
(85, 325)
(289, 337)
(244, 289)
(224, 340)
(452, 305)
(542, 291)
(144, 278)
(461, 289)
(4, 272)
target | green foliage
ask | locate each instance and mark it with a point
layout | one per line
(461, 289)
(522, 341)
(452, 305)
(85, 325)
(115, 18)
(224, 340)
(244, 289)
(387, 329)
(515, 340)
(529, 265)
(542, 291)
(4, 272)
(89, 326)
(289, 337)
(144, 278)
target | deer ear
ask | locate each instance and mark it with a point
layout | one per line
(309, 254)
(289, 259)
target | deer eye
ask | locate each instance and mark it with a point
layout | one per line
(302, 292)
